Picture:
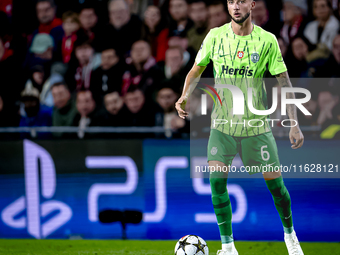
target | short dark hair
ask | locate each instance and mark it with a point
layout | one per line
(57, 84)
(82, 40)
(51, 2)
(71, 15)
(265, 2)
(217, 2)
(196, 1)
(134, 88)
(328, 2)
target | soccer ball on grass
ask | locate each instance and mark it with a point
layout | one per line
(191, 245)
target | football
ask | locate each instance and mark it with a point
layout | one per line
(191, 245)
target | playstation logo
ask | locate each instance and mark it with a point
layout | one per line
(35, 210)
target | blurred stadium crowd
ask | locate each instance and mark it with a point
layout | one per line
(123, 63)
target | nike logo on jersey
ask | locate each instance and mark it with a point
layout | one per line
(221, 56)
(286, 218)
(221, 223)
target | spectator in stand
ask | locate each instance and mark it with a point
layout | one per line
(108, 76)
(198, 13)
(218, 15)
(88, 21)
(260, 16)
(332, 66)
(124, 28)
(328, 104)
(283, 47)
(48, 23)
(297, 57)
(189, 54)
(152, 26)
(180, 24)
(64, 109)
(83, 61)
(293, 17)
(166, 98)
(309, 120)
(142, 71)
(43, 84)
(325, 27)
(115, 110)
(11, 84)
(8, 117)
(173, 61)
(87, 112)
(71, 25)
(35, 114)
(41, 53)
(141, 113)
(6, 6)
(173, 69)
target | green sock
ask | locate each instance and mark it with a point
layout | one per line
(282, 202)
(222, 208)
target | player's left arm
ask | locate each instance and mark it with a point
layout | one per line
(295, 135)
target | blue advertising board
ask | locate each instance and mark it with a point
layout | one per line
(56, 189)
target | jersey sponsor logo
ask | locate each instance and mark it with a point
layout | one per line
(240, 54)
(255, 57)
(243, 71)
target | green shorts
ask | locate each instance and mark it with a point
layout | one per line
(258, 153)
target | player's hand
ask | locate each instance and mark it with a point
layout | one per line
(296, 137)
(180, 106)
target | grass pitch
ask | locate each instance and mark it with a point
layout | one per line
(96, 247)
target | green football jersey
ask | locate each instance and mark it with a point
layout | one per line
(241, 61)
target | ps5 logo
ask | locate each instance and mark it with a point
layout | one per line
(35, 210)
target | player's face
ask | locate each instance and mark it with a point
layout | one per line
(239, 10)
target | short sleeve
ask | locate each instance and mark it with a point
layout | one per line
(276, 62)
(203, 55)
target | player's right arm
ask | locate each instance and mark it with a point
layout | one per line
(190, 84)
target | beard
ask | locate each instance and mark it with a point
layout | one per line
(242, 19)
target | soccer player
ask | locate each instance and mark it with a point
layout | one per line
(242, 53)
